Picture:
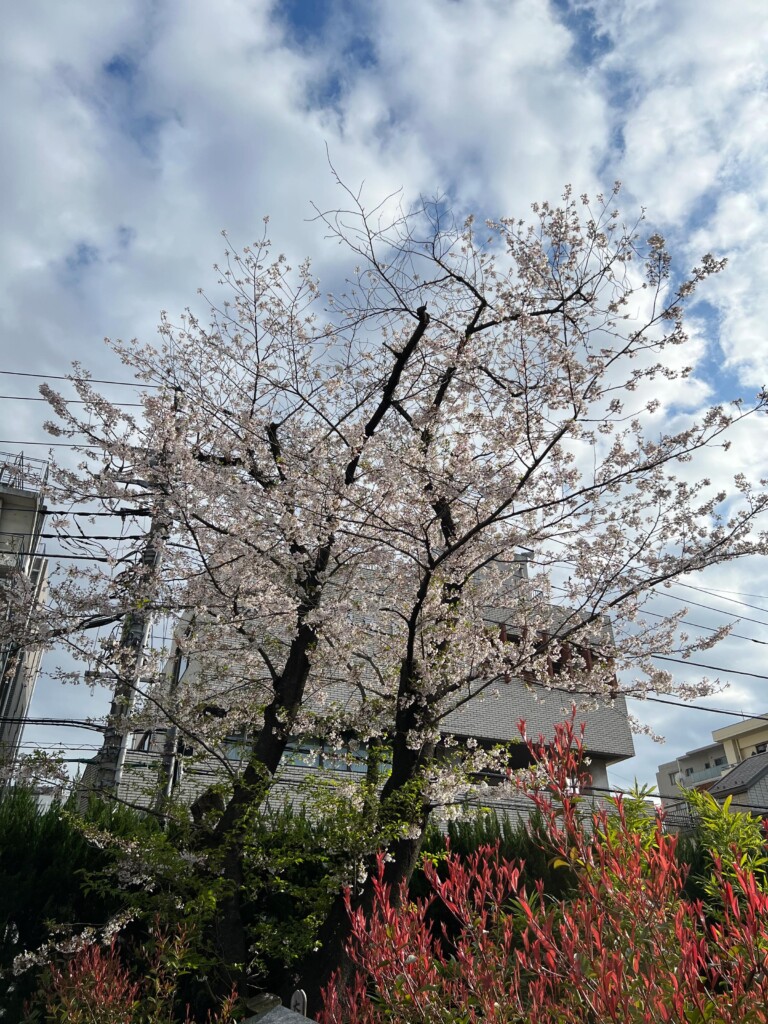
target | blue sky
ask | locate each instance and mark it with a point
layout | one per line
(138, 130)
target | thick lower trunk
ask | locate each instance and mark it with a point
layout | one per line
(226, 841)
(225, 844)
(230, 932)
(403, 856)
(331, 957)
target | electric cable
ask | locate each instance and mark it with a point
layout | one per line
(67, 401)
(51, 444)
(73, 536)
(685, 601)
(85, 380)
(713, 668)
(732, 600)
(682, 600)
(84, 558)
(64, 723)
(65, 513)
(709, 629)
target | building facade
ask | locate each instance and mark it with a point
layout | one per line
(747, 785)
(735, 764)
(485, 718)
(696, 769)
(23, 575)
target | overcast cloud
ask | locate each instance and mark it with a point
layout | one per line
(134, 132)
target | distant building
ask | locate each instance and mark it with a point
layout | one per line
(491, 720)
(696, 769)
(743, 739)
(735, 764)
(23, 567)
(746, 785)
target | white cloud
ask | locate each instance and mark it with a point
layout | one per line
(491, 92)
(695, 142)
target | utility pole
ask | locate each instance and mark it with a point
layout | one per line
(170, 764)
(110, 761)
(133, 643)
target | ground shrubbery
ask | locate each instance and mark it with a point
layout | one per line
(626, 945)
(51, 868)
(564, 920)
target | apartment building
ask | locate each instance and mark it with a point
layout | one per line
(735, 764)
(695, 769)
(23, 573)
(743, 739)
(484, 720)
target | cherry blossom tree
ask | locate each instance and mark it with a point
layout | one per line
(338, 484)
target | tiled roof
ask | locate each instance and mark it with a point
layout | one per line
(742, 776)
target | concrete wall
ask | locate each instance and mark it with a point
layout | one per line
(742, 739)
(494, 715)
(695, 769)
(141, 770)
(20, 521)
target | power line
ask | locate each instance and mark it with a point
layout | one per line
(84, 558)
(712, 593)
(697, 604)
(70, 536)
(84, 380)
(683, 600)
(709, 629)
(741, 593)
(713, 668)
(67, 401)
(59, 750)
(700, 707)
(710, 608)
(73, 760)
(628, 695)
(122, 512)
(74, 723)
(51, 444)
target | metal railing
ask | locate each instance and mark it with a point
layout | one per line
(714, 772)
(19, 471)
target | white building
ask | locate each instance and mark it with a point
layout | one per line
(22, 566)
(735, 764)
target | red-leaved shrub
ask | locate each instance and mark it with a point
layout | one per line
(628, 946)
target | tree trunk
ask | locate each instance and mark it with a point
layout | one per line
(331, 957)
(396, 795)
(249, 792)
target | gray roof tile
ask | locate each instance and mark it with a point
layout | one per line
(742, 776)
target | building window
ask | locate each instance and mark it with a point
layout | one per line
(760, 748)
(144, 741)
(720, 761)
(303, 755)
(237, 748)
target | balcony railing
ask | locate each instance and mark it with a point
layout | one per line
(22, 473)
(695, 778)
